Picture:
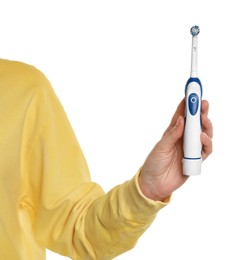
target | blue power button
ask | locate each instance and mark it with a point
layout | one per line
(193, 102)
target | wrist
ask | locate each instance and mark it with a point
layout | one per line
(149, 190)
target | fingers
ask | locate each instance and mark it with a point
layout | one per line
(176, 126)
(205, 107)
(206, 123)
(207, 145)
(179, 112)
(207, 126)
(207, 134)
(173, 135)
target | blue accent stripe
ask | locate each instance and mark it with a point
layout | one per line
(188, 158)
(197, 80)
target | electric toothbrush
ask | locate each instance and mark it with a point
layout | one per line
(192, 147)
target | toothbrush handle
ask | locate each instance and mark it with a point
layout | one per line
(192, 146)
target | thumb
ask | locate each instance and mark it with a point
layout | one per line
(173, 135)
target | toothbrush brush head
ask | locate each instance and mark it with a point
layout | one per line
(195, 30)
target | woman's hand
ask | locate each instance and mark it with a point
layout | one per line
(161, 173)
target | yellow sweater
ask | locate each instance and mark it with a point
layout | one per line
(46, 195)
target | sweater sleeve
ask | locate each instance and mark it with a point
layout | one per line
(71, 215)
(118, 219)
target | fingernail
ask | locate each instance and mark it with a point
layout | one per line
(206, 136)
(177, 122)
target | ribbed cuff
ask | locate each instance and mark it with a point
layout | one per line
(163, 203)
(142, 207)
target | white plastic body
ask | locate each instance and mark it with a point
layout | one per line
(194, 57)
(192, 147)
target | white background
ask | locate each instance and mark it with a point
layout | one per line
(119, 69)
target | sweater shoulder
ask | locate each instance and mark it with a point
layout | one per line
(25, 88)
(21, 75)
